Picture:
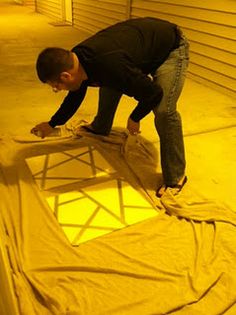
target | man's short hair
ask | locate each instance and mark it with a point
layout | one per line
(51, 62)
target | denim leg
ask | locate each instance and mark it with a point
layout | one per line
(170, 76)
(107, 105)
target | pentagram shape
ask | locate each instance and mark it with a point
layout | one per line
(87, 195)
(67, 167)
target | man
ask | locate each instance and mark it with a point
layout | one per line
(145, 58)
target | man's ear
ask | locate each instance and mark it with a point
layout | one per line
(65, 76)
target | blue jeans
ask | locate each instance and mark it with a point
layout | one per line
(170, 76)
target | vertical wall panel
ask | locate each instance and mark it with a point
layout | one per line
(52, 8)
(211, 29)
(93, 15)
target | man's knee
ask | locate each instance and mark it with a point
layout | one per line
(166, 116)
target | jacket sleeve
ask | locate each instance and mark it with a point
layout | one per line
(128, 78)
(69, 106)
(145, 91)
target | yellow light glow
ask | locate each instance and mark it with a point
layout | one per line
(90, 208)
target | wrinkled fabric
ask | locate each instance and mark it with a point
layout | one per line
(180, 262)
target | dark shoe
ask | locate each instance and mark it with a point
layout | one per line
(178, 187)
(90, 129)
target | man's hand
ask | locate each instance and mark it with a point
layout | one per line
(133, 126)
(42, 130)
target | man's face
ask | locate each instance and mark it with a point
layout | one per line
(67, 82)
(71, 79)
(56, 86)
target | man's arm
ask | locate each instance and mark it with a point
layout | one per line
(67, 109)
(69, 106)
(127, 77)
(145, 91)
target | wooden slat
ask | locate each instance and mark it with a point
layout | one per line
(52, 8)
(215, 77)
(210, 28)
(97, 11)
(96, 20)
(50, 13)
(211, 40)
(213, 52)
(48, 8)
(103, 5)
(120, 2)
(50, 3)
(95, 15)
(87, 27)
(221, 88)
(193, 13)
(217, 5)
(214, 65)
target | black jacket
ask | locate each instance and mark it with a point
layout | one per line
(121, 57)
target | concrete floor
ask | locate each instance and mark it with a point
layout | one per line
(209, 118)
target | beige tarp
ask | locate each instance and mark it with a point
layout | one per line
(182, 261)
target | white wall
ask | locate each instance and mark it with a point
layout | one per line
(51, 8)
(211, 29)
(93, 15)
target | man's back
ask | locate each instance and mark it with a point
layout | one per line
(146, 41)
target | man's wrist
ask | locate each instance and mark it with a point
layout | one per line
(134, 118)
(51, 124)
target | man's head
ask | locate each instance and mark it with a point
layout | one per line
(60, 69)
